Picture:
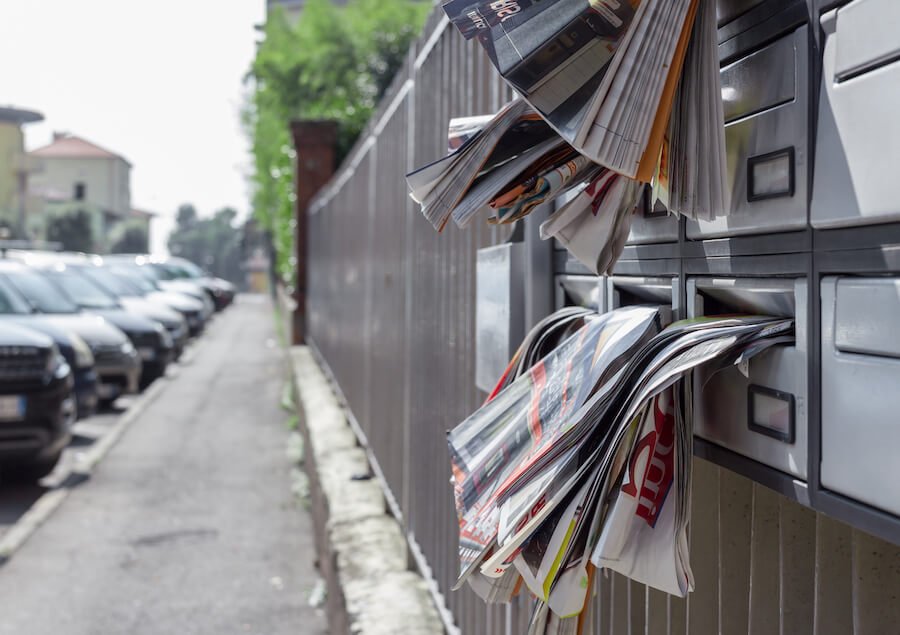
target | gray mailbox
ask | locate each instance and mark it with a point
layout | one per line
(860, 387)
(858, 139)
(766, 99)
(499, 310)
(758, 411)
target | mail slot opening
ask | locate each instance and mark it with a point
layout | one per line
(583, 291)
(776, 298)
(644, 291)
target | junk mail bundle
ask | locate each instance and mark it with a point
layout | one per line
(581, 458)
(615, 94)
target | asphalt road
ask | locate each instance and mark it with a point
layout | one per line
(188, 525)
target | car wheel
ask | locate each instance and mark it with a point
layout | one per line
(30, 472)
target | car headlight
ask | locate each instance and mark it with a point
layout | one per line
(57, 366)
(84, 358)
(127, 347)
(62, 367)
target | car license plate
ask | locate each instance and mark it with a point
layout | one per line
(147, 353)
(12, 408)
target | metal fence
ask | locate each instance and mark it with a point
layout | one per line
(391, 314)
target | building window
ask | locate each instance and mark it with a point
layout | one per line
(80, 191)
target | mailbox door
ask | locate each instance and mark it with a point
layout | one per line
(766, 99)
(758, 411)
(857, 156)
(499, 322)
(860, 385)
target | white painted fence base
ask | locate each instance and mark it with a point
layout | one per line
(363, 554)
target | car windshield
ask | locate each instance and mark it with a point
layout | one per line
(82, 290)
(183, 269)
(132, 276)
(158, 272)
(11, 302)
(110, 283)
(40, 292)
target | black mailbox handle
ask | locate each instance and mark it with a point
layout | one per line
(649, 205)
(785, 436)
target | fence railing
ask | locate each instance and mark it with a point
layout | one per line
(391, 314)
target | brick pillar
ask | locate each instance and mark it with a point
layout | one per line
(314, 142)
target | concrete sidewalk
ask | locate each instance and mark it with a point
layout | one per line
(189, 525)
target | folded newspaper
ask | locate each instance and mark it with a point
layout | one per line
(615, 94)
(581, 460)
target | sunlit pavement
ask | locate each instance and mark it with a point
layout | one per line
(188, 525)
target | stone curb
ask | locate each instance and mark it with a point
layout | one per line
(365, 544)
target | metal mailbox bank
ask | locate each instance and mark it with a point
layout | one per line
(795, 523)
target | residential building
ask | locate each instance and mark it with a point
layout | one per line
(78, 175)
(15, 169)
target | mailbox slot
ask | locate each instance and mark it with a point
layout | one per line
(766, 101)
(586, 291)
(633, 290)
(860, 381)
(760, 414)
(858, 129)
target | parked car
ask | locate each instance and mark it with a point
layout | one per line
(37, 404)
(117, 362)
(130, 284)
(142, 266)
(172, 320)
(151, 339)
(220, 290)
(14, 309)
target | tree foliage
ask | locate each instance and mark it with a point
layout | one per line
(132, 239)
(72, 229)
(212, 243)
(335, 63)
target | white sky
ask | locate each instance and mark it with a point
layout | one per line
(159, 82)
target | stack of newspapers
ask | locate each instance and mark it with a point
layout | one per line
(580, 459)
(614, 95)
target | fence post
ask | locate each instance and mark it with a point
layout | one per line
(314, 142)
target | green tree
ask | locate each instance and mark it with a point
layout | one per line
(335, 63)
(212, 243)
(73, 230)
(186, 215)
(133, 239)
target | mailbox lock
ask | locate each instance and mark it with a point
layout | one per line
(771, 412)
